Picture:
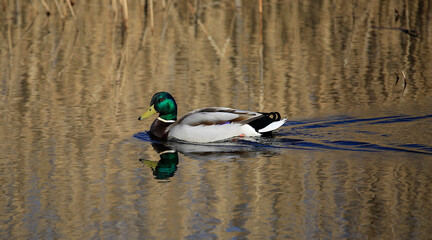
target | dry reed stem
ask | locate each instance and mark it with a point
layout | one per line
(46, 7)
(125, 12)
(71, 9)
(59, 9)
(114, 6)
(151, 15)
(64, 9)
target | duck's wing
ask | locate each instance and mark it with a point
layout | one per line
(215, 124)
(217, 116)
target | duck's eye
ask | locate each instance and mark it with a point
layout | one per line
(161, 100)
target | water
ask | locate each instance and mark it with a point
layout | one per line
(353, 161)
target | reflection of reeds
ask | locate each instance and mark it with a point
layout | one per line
(9, 37)
(397, 78)
(247, 44)
(396, 15)
(405, 82)
(70, 55)
(261, 59)
(220, 52)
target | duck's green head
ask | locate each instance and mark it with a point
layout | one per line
(164, 104)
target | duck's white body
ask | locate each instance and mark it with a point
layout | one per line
(216, 124)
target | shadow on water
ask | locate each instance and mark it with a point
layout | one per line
(309, 135)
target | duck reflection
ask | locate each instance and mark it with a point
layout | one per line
(168, 151)
(167, 165)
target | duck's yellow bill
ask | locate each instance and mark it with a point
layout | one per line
(148, 113)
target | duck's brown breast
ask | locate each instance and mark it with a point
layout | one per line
(159, 130)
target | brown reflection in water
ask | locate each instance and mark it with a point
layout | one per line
(71, 91)
(315, 56)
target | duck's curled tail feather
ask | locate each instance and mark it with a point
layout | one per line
(268, 122)
(275, 116)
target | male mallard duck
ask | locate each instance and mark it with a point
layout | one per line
(207, 124)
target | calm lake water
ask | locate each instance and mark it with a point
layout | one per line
(354, 161)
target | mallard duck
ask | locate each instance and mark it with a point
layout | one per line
(207, 124)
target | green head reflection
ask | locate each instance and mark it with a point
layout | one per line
(166, 166)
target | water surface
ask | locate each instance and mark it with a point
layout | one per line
(353, 160)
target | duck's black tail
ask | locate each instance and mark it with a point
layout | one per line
(265, 120)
